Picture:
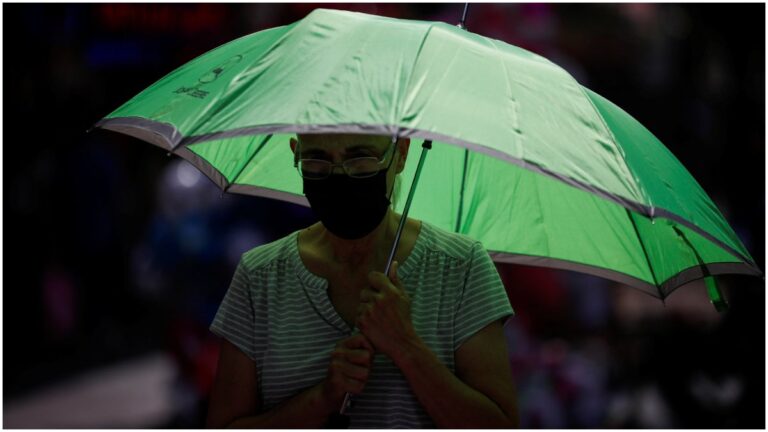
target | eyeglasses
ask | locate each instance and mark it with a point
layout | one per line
(360, 167)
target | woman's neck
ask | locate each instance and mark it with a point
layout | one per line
(372, 249)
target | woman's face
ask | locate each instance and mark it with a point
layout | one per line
(350, 207)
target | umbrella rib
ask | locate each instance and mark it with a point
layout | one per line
(616, 145)
(618, 148)
(645, 252)
(413, 68)
(461, 191)
(258, 149)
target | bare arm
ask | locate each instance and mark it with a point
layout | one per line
(479, 395)
(235, 402)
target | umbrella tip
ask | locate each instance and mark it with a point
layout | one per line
(716, 296)
(461, 23)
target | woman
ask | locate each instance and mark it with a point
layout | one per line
(430, 348)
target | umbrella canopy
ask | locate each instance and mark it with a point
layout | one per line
(539, 168)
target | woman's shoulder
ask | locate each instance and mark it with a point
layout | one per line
(452, 244)
(267, 254)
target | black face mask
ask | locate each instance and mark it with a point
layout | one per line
(349, 207)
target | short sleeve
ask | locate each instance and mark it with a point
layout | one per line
(234, 321)
(483, 300)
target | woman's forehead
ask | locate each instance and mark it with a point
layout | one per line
(342, 141)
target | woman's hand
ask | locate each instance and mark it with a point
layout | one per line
(384, 314)
(348, 370)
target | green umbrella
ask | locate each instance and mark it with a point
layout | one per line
(540, 169)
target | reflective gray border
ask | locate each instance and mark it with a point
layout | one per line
(165, 135)
(218, 178)
(269, 193)
(540, 261)
(696, 272)
(308, 129)
(661, 292)
(209, 170)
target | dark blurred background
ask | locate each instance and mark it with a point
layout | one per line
(116, 256)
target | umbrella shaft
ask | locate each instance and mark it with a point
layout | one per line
(424, 148)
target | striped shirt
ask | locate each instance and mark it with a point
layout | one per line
(279, 314)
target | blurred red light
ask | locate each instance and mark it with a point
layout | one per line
(162, 18)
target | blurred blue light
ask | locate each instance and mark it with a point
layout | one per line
(111, 53)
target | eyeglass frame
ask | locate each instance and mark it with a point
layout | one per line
(379, 162)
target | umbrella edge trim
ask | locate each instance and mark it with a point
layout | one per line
(208, 169)
(661, 292)
(171, 135)
(696, 272)
(561, 264)
(163, 135)
(269, 193)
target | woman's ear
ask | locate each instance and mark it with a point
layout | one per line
(403, 144)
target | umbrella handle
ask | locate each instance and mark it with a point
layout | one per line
(340, 420)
